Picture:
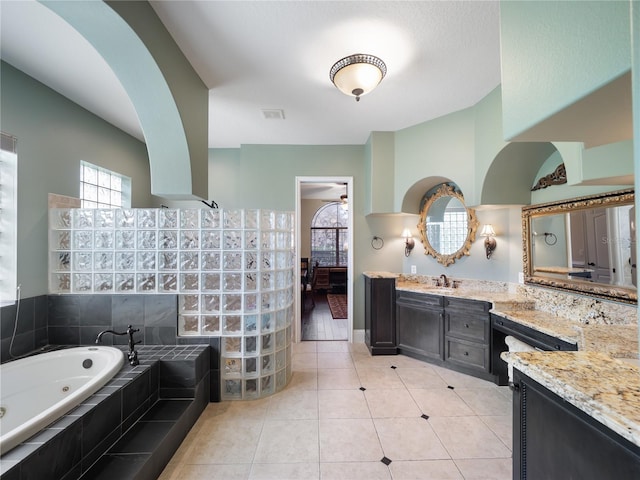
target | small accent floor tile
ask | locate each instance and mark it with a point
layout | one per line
(345, 411)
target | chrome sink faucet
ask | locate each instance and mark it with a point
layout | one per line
(133, 354)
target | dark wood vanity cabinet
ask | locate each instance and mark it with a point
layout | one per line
(420, 324)
(554, 439)
(452, 332)
(467, 335)
(379, 315)
(501, 327)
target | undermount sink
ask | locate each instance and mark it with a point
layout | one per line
(442, 290)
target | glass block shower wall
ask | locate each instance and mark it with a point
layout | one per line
(233, 271)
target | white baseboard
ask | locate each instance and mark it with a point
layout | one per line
(358, 336)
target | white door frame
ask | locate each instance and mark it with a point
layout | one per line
(349, 182)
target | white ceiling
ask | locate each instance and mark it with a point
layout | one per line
(441, 56)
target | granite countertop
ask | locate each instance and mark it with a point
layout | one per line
(594, 379)
(544, 322)
(502, 299)
(605, 388)
(620, 341)
(380, 275)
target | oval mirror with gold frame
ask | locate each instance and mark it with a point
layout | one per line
(447, 227)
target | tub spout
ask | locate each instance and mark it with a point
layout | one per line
(99, 337)
(133, 354)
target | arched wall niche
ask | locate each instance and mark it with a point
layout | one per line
(413, 196)
(513, 171)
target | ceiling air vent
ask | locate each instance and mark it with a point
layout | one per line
(273, 114)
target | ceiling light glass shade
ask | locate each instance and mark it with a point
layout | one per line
(358, 74)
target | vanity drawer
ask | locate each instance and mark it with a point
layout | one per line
(419, 299)
(467, 354)
(468, 327)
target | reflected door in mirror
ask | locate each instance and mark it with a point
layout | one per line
(585, 244)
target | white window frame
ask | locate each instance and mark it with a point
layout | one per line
(114, 184)
(8, 219)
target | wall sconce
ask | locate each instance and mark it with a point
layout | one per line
(409, 243)
(490, 241)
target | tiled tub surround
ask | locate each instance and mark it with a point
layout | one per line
(606, 389)
(133, 425)
(77, 319)
(232, 272)
(37, 390)
(30, 331)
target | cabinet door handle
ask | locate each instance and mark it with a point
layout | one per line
(500, 322)
(466, 354)
(466, 325)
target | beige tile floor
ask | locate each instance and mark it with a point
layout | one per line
(324, 426)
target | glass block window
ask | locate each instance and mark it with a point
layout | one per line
(329, 235)
(8, 217)
(448, 240)
(102, 188)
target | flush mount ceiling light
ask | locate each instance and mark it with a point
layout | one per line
(357, 74)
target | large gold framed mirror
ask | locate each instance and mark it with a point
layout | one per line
(447, 227)
(585, 245)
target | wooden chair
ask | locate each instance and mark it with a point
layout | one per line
(321, 279)
(305, 285)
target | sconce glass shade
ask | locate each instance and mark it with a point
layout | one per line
(490, 241)
(357, 74)
(488, 231)
(406, 233)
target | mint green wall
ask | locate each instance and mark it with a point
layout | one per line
(188, 90)
(565, 191)
(550, 255)
(263, 176)
(554, 53)
(224, 176)
(443, 147)
(54, 134)
(488, 142)
(379, 172)
(450, 148)
(607, 161)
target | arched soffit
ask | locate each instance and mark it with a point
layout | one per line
(147, 88)
(513, 171)
(413, 196)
